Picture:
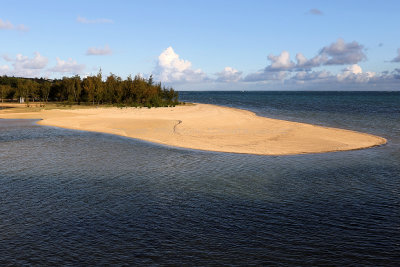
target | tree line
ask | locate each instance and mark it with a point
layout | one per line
(95, 90)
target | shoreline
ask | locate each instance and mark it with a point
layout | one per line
(203, 127)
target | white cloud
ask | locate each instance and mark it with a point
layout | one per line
(350, 74)
(69, 66)
(171, 68)
(93, 21)
(355, 73)
(24, 62)
(228, 74)
(354, 69)
(337, 53)
(278, 69)
(94, 51)
(301, 59)
(6, 25)
(304, 63)
(169, 59)
(24, 66)
(281, 62)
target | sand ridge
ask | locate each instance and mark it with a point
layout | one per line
(205, 127)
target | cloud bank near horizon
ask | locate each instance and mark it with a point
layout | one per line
(171, 68)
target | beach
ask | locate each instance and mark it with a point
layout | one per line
(202, 127)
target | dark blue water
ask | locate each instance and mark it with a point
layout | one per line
(77, 198)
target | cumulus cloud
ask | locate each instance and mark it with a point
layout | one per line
(397, 59)
(228, 74)
(340, 53)
(337, 53)
(101, 51)
(279, 67)
(84, 20)
(280, 62)
(68, 66)
(276, 71)
(171, 68)
(24, 62)
(301, 59)
(6, 25)
(315, 11)
(355, 73)
(304, 63)
(24, 66)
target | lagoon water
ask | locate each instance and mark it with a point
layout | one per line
(78, 198)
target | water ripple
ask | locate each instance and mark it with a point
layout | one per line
(76, 198)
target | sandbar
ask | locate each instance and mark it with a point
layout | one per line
(203, 127)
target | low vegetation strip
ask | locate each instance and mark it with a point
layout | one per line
(94, 90)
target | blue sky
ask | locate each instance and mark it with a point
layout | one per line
(208, 45)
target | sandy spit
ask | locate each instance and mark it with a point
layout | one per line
(205, 127)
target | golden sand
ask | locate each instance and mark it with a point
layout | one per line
(204, 127)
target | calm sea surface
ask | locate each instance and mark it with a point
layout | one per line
(78, 198)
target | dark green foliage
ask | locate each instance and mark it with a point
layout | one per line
(137, 91)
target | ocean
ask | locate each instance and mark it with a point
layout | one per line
(79, 198)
